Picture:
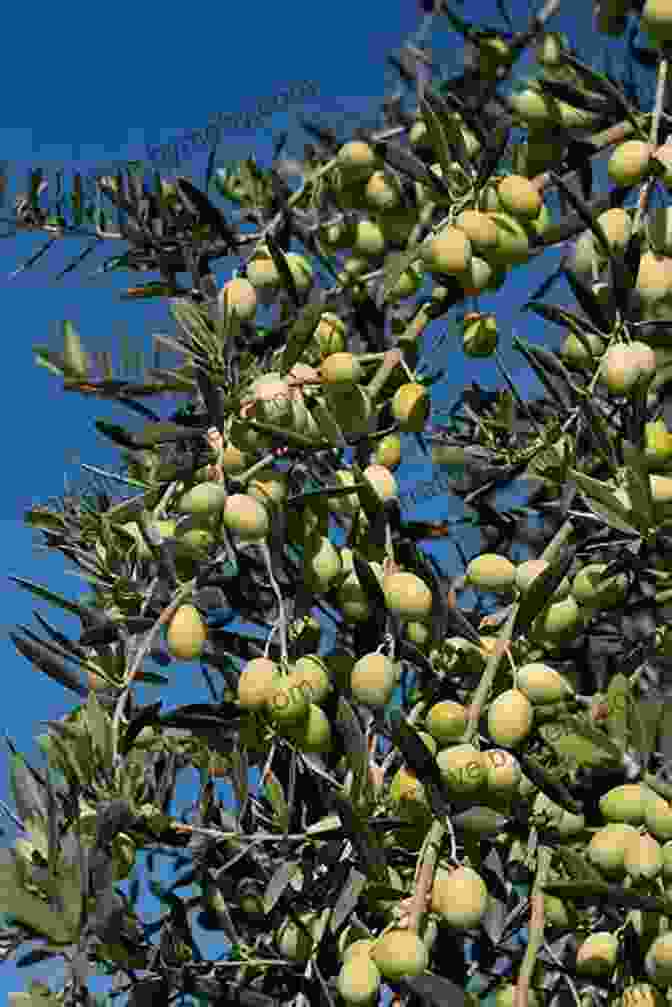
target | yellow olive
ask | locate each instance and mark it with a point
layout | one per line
(186, 633)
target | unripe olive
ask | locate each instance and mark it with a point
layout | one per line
(373, 680)
(477, 277)
(263, 274)
(322, 563)
(447, 252)
(624, 804)
(353, 266)
(519, 196)
(541, 683)
(233, 460)
(204, 499)
(656, 21)
(667, 860)
(288, 701)
(272, 399)
(313, 732)
(654, 277)
(410, 406)
(462, 768)
(406, 791)
(387, 452)
(641, 995)
(342, 369)
(506, 997)
(657, 815)
(479, 335)
(479, 227)
(590, 587)
(269, 486)
(407, 596)
(460, 897)
(617, 226)
(606, 848)
(382, 480)
(353, 600)
(357, 160)
(503, 772)
(256, 683)
(446, 721)
(186, 633)
(550, 50)
(532, 106)
(491, 572)
(193, 542)
(358, 946)
(358, 981)
(383, 191)
(245, 516)
(560, 620)
(400, 953)
(240, 296)
(643, 859)
(312, 671)
(510, 718)
(658, 961)
(348, 505)
(657, 442)
(418, 633)
(330, 334)
(629, 163)
(596, 956)
(575, 352)
(295, 942)
(661, 491)
(584, 253)
(407, 285)
(369, 238)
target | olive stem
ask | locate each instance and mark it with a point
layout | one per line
(184, 592)
(536, 928)
(391, 359)
(258, 466)
(282, 618)
(487, 678)
(480, 698)
(424, 874)
(653, 140)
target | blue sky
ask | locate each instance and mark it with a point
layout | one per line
(82, 119)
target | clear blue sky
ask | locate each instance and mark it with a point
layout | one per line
(161, 79)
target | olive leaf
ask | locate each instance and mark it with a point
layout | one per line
(28, 908)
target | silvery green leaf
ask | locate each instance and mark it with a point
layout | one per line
(480, 820)
(348, 898)
(278, 883)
